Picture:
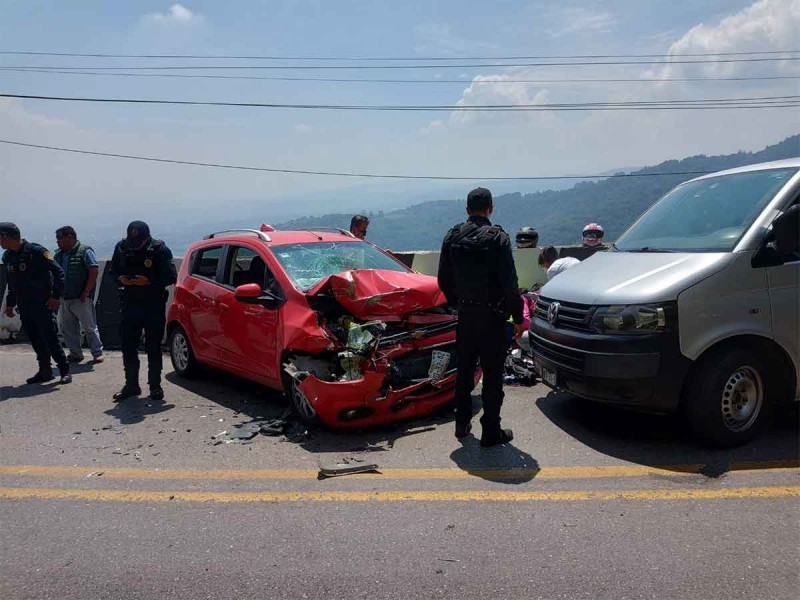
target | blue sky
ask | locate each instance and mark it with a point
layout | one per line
(417, 143)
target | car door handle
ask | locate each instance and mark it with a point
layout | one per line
(224, 306)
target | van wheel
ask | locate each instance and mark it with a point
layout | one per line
(302, 405)
(727, 403)
(181, 353)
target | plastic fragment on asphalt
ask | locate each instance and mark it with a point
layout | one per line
(346, 466)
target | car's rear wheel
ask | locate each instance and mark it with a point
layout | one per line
(727, 403)
(181, 353)
(301, 405)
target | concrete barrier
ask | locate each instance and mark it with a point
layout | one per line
(527, 261)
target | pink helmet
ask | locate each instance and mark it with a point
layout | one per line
(593, 234)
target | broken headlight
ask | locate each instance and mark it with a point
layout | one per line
(633, 319)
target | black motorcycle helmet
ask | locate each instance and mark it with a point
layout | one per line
(527, 237)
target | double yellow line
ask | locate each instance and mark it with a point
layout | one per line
(579, 472)
(398, 496)
(553, 473)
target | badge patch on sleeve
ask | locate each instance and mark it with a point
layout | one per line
(148, 263)
(48, 255)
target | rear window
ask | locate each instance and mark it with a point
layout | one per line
(206, 262)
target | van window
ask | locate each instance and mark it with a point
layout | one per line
(207, 261)
(709, 215)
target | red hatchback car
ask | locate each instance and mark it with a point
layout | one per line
(352, 335)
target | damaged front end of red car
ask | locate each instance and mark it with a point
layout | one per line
(391, 353)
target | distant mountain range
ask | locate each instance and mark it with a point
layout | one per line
(558, 214)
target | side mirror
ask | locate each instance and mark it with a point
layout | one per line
(247, 292)
(251, 293)
(786, 231)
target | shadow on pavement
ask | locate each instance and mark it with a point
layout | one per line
(25, 390)
(135, 410)
(234, 393)
(661, 441)
(495, 464)
(8, 392)
(259, 402)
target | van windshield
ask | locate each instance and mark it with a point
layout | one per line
(309, 263)
(709, 215)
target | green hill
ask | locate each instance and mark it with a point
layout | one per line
(558, 215)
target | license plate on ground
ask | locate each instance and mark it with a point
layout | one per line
(549, 376)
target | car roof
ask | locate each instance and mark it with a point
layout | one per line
(775, 164)
(274, 237)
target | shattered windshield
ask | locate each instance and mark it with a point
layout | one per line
(309, 263)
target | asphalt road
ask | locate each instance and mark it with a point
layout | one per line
(141, 500)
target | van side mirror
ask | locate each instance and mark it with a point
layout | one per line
(786, 231)
(251, 293)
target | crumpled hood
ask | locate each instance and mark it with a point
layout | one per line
(379, 293)
(608, 278)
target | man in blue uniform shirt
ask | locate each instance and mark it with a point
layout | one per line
(35, 287)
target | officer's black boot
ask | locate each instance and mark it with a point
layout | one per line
(65, 374)
(44, 375)
(495, 438)
(463, 429)
(156, 392)
(131, 387)
(128, 391)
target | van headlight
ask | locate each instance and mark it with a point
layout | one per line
(642, 318)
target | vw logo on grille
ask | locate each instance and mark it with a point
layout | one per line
(552, 312)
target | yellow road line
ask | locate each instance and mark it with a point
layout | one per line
(578, 472)
(398, 496)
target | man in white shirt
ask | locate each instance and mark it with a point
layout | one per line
(549, 261)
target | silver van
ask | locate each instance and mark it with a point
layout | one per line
(693, 309)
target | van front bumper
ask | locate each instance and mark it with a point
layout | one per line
(639, 371)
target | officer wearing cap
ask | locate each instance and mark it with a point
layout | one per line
(143, 268)
(36, 284)
(477, 274)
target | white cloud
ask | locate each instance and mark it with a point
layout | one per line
(303, 128)
(177, 14)
(580, 21)
(765, 25)
(496, 92)
(14, 113)
(432, 127)
(438, 38)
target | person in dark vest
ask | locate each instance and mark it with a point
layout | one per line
(77, 307)
(35, 286)
(144, 269)
(477, 274)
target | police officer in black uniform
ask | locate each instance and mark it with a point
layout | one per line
(143, 268)
(477, 273)
(36, 283)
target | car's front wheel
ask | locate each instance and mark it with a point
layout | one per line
(301, 405)
(181, 353)
(727, 403)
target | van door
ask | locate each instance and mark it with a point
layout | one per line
(784, 291)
